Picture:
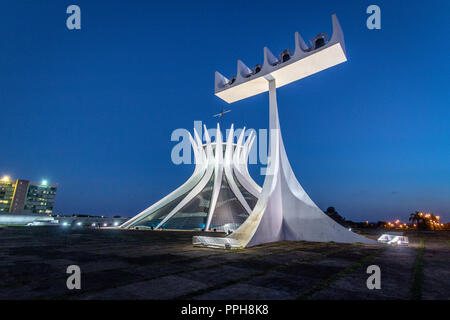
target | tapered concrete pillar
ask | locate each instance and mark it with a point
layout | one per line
(284, 210)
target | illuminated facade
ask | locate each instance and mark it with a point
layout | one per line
(6, 193)
(219, 195)
(23, 196)
(284, 211)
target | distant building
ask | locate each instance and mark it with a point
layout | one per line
(23, 196)
(7, 188)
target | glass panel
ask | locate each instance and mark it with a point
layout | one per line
(229, 213)
(157, 216)
(250, 198)
(194, 214)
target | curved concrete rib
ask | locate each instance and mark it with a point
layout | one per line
(218, 168)
(238, 165)
(202, 155)
(241, 169)
(238, 149)
(199, 187)
(244, 156)
(284, 210)
(229, 174)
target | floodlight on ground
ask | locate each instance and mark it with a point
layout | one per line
(393, 239)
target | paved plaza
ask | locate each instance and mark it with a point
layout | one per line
(131, 264)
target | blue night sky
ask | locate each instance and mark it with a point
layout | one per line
(93, 110)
